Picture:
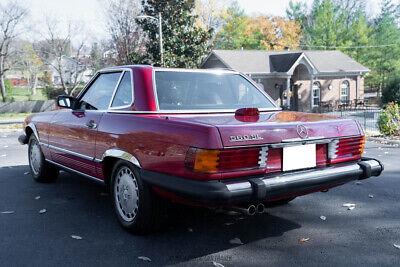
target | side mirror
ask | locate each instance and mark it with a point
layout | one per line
(66, 101)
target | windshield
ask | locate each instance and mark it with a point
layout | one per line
(197, 90)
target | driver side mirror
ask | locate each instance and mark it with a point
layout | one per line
(66, 101)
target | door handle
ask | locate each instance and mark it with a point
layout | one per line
(91, 125)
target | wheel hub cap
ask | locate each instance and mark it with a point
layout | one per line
(126, 194)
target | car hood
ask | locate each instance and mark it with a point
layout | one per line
(273, 127)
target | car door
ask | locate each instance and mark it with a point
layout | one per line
(73, 133)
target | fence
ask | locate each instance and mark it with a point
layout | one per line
(366, 116)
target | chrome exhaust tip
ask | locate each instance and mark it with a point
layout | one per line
(260, 208)
(251, 210)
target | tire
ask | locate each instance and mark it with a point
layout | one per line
(41, 170)
(278, 202)
(139, 210)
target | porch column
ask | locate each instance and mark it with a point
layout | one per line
(311, 93)
(288, 92)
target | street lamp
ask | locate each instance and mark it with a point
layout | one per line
(159, 19)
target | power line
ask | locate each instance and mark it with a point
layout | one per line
(315, 46)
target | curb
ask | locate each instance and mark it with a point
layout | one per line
(3, 122)
(387, 141)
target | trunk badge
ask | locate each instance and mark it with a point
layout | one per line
(243, 138)
(302, 131)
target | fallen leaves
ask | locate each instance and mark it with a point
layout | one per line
(37, 197)
(304, 239)
(359, 183)
(7, 212)
(322, 217)
(42, 211)
(26, 173)
(216, 264)
(236, 241)
(144, 258)
(228, 223)
(77, 237)
(349, 206)
(396, 246)
(190, 229)
(371, 196)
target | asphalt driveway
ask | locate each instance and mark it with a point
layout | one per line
(74, 206)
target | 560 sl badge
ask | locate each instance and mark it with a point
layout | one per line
(242, 138)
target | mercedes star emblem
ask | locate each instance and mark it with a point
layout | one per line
(302, 131)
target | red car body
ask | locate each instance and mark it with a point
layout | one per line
(249, 147)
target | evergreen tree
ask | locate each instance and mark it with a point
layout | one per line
(232, 33)
(184, 43)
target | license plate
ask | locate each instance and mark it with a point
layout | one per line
(299, 157)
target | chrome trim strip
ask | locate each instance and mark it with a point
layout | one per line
(305, 175)
(216, 71)
(132, 91)
(200, 111)
(34, 130)
(77, 172)
(298, 139)
(67, 151)
(115, 89)
(234, 187)
(118, 153)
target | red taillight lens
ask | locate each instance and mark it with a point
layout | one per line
(239, 159)
(346, 149)
(274, 161)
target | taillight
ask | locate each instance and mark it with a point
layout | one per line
(346, 149)
(225, 160)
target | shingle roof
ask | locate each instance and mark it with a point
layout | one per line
(268, 61)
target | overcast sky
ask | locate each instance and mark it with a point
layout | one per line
(90, 13)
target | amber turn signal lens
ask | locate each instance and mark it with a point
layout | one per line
(202, 160)
(362, 141)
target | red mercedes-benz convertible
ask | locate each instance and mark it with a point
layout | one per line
(199, 137)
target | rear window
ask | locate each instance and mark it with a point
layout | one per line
(197, 90)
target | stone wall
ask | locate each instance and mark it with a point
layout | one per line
(27, 106)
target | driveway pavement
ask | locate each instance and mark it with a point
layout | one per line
(195, 237)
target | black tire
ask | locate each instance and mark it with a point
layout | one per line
(41, 170)
(278, 202)
(127, 188)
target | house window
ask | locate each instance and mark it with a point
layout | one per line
(344, 91)
(316, 93)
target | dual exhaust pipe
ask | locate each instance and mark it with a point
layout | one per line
(250, 210)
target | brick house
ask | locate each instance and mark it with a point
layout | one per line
(312, 78)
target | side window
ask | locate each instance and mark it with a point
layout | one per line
(123, 96)
(99, 94)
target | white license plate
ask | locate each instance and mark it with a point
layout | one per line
(299, 157)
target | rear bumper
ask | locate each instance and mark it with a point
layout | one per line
(263, 187)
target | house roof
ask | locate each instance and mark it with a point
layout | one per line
(270, 61)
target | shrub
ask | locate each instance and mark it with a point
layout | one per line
(391, 92)
(389, 119)
(9, 87)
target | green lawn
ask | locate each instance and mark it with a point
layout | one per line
(22, 94)
(13, 115)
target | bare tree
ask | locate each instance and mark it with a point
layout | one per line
(126, 35)
(56, 52)
(11, 17)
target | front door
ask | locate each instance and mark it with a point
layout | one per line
(73, 132)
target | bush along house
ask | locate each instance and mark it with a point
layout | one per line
(313, 79)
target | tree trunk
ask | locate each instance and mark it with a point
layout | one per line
(3, 87)
(34, 84)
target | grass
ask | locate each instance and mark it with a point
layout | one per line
(11, 126)
(14, 115)
(22, 94)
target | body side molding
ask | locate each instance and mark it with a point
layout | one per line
(121, 154)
